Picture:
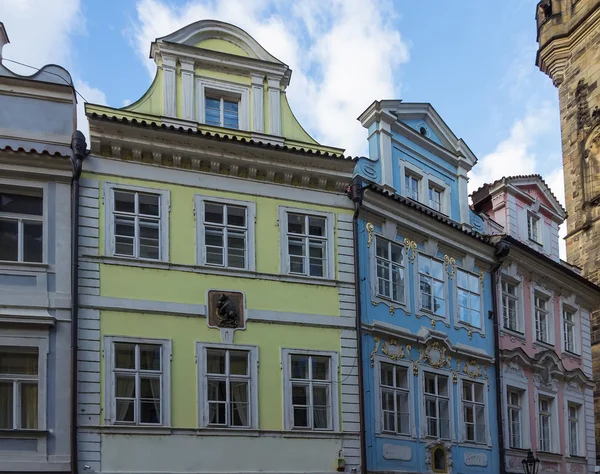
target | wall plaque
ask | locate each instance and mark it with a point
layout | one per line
(226, 310)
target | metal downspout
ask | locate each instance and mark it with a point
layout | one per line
(78, 147)
(501, 252)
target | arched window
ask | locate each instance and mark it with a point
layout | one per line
(439, 462)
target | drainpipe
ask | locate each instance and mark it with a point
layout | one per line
(501, 252)
(78, 147)
(355, 193)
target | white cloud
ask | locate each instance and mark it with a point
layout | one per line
(516, 154)
(42, 32)
(344, 53)
(126, 102)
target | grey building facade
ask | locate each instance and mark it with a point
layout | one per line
(37, 121)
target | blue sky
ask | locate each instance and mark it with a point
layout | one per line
(472, 60)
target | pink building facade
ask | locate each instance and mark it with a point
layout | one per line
(544, 307)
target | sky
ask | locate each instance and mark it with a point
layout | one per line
(474, 61)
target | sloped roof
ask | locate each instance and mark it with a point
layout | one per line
(486, 188)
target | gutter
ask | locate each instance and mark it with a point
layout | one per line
(501, 252)
(78, 146)
(355, 192)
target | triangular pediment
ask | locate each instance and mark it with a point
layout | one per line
(537, 189)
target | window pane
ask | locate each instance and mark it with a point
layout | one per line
(321, 417)
(236, 216)
(213, 111)
(301, 417)
(124, 201)
(150, 387)
(401, 377)
(387, 400)
(430, 384)
(437, 270)
(213, 238)
(32, 241)
(397, 254)
(21, 204)
(321, 395)
(216, 413)
(238, 363)
(149, 239)
(148, 204)
(18, 363)
(125, 356)
(217, 390)
(150, 411)
(124, 235)
(296, 223)
(29, 406)
(215, 363)
(150, 357)
(125, 411)
(236, 244)
(213, 212)
(125, 386)
(442, 386)
(239, 404)
(230, 114)
(300, 394)
(317, 257)
(387, 375)
(381, 247)
(299, 367)
(462, 279)
(316, 226)
(6, 405)
(320, 368)
(9, 240)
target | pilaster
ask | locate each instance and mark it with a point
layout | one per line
(187, 85)
(274, 89)
(169, 64)
(258, 114)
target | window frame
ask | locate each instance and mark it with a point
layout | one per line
(288, 417)
(109, 380)
(576, 327)
(580, 428)
(458, 321)
(378, 360)
(518, 297)
(329, 268)
(423, 408)
(203, 408)
(199, 201)
(414, 179)
(534, 222)
(418, 301)
(222, 98)
(390, 263)
(509, 406)
(210, 87)
(464, 403)
(39, 340)
(537, 292)
(36, 188)
(108, 190)
(553, 421)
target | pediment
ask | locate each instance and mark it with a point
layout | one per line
(535, 187)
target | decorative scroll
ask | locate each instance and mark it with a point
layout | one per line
(377, 342)
(449, 263)
(481, 277)
(472, 369)
(370, 229)
(393, 350)
(410, 245)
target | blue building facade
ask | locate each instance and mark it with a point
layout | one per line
(426, 300)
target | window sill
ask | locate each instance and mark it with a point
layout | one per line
(531, 241)
(577, 458)
(30, 266)
(406, 437)
(547, 345)
(4, 433)
(472, 445)
(390, 302)
(572, 355)
(514, 333)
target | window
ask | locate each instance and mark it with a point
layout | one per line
(222, 111)
(513, 399)
(390, 270)
(569, 331)
(545, 421)
(469, 300)
(228, 387)
(21, 227)
(541, 319)
(437, 401)
(533, 223)
(394, 393)
(510, 305)
(307, 241)
(573, 413)
(310, 391)
(137, 222)
(412, 186)
(225, 235)
(435, 198)
(18, 388)
(474, 412)
(431, 284)
(228, 380)
(439, 459)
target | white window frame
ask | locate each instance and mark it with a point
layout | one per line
(36, 188)
(378, 360)
(432, 204)
(422, 407)
(288, 417)
(329, 247)
(444, 190)
(222, 98)
(40, 341)
(109, 381)
(518, 297)
(462, 428)
(417, 277)
(199, 201)
(534, 222)
(108, 195)
(519, 408)
(403, 266)
(517, 384)
(481, 327)
(576, 327)
(539, 292)
(553, 410)
(426, 180)
(418, 186)
(580, 448)
(203, 410)
(211, 88)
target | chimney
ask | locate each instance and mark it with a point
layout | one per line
(3, 39)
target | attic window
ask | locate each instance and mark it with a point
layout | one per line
(423, 129)
(533, 227)
(222, 111)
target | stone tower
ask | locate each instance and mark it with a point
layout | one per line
(568, 34)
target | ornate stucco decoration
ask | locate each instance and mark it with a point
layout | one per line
(449, 264)
(429, 455)
(472, 369)
(573, 387)
(435, 355)
(481, 277)
(393, 350)
(370, 229)
(377, 341)
(391, 307)
(411, 249)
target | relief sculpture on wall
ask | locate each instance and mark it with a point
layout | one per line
(226, 311)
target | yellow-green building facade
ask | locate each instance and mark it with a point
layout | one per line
(216, 289)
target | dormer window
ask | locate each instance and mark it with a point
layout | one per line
(411, 183)
(533, 227)
(435, 198)
(222, 111)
